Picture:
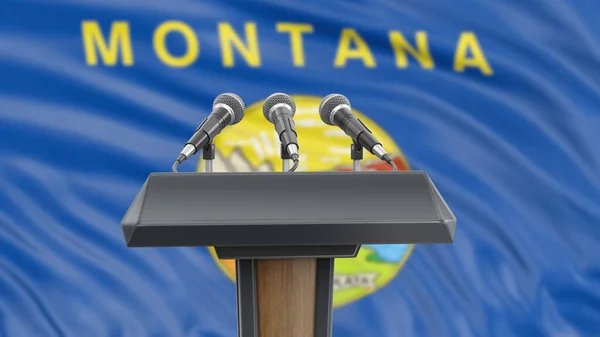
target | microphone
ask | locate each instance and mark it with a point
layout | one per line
(279, 109)
(228, 109)
(335, 110)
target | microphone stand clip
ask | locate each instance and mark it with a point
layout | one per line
(356, 154)
(285, 159)
(208, 155)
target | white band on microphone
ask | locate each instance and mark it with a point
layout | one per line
(278, 105)
(188, 151)
(292, 149)
(379, 151)
(336, 110)
(228, 108)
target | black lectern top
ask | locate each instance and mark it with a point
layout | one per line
(286, 209)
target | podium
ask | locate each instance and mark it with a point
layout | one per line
(284, 230)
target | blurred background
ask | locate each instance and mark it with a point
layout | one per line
(496, 100)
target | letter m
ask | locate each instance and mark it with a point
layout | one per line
(94, 43)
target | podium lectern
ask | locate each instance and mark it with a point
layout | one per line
(284, 231)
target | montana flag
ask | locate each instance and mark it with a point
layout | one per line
(498, 101)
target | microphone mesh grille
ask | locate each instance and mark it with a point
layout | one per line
(234, 102)
(329, 103)
(277, 98)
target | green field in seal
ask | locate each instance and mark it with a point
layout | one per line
(358, 277)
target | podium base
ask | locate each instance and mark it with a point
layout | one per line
(284, 297)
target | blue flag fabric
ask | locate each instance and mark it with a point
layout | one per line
(496, 100)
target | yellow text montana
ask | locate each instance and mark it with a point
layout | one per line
(115, 47)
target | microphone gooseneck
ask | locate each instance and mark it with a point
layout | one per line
(335, 110)
(279, 109)
(228, 109)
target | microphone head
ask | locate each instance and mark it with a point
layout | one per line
(278, 98)
(329, 103)
(234, 102)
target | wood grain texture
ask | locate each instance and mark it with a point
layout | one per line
(286, 297)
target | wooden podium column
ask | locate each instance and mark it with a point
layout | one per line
(286, 297)
(289, 297)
